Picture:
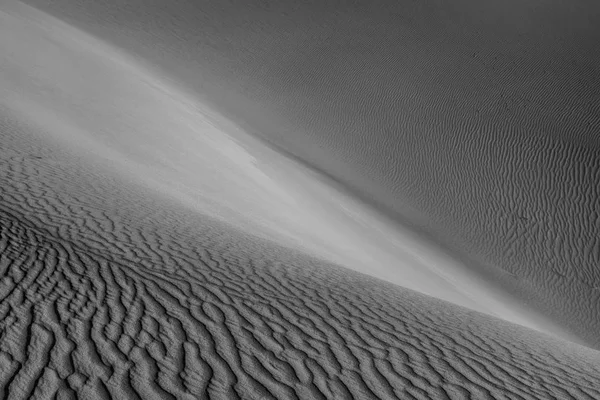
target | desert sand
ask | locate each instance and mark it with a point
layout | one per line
(178, 222)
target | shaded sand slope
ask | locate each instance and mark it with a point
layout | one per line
(476, 121)
(111, 289)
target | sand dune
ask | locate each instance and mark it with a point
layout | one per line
(112, 290)
(474, 122)
(100, 101)
(152, 245)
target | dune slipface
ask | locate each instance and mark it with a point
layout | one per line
(151, 248)
(474, 122)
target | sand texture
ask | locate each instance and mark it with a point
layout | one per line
(109, 291)
(270, 200)
(474, 122)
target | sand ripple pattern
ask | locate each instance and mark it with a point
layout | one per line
(110, 291)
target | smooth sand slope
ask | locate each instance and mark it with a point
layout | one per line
(475, 122)
(150, 249)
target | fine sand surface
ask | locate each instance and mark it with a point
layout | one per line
(473, 122)
(150, 247)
